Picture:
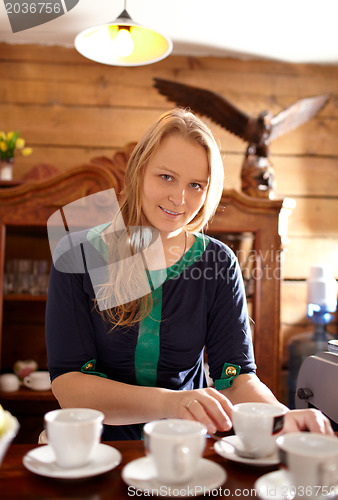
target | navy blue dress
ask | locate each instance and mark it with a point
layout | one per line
(201, 304)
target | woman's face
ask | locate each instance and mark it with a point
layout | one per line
(175, 184)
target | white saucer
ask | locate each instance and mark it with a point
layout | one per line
(141, 475)
(41, 461)
(227, 451)
(274, 485)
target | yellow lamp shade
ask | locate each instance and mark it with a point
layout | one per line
(123, 43)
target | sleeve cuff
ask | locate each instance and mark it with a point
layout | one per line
(89, 368)
(229, 372)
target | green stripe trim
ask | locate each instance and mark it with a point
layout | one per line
(148, 343)
(95, 238)
(192, 255)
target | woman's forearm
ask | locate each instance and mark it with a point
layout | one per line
(125, 404)
(248, 387)
(121, 403)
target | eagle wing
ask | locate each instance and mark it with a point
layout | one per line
(205, 102)
(295, 115)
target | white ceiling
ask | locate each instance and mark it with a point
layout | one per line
(286, 30)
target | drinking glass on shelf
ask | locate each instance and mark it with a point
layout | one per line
(41, 276)
(43, 284)
(9, 283)
(40, 266)
(24, 275)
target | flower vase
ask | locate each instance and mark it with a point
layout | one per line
(6, 169)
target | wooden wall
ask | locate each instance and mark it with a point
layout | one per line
(70, 110)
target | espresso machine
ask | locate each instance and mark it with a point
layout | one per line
(321, 304)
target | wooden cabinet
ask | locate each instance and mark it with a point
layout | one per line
(24, 211)
(257, 228)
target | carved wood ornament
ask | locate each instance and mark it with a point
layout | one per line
(257, 175)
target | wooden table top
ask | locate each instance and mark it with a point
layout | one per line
(19, 483)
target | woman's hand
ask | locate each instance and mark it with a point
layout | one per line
(208, 406)
(307, 420)
(213, 409)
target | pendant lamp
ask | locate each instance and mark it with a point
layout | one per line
(123, 43)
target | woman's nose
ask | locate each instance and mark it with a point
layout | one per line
(177, 197)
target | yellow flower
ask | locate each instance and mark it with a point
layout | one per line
(20, 143)
(27, 151)
(12, 142)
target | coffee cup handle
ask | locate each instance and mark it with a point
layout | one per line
(27, 381)
(181, 460)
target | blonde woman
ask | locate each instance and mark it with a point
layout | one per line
(132, 344)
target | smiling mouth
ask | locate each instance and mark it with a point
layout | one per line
(170, 212)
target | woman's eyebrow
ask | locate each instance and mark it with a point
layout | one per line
(163, 167)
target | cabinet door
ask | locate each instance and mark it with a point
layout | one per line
(26, 257)
(25, 282)
(25, 270)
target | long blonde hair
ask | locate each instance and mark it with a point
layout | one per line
(175, 122)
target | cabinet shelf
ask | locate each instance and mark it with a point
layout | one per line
(23, 297)
(25, 394)
(29, 407)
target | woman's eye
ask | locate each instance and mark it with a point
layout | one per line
(166, 177)
(195, 185)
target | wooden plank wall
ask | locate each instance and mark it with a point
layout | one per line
(70, 109)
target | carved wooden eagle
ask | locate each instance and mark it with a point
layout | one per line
(257, 174)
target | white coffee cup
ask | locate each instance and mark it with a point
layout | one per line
(258, 425)
(73, 434)
(38, 381)
(175, 447)
(311, 462)
(9, 382)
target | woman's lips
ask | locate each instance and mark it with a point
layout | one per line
(170, 212)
